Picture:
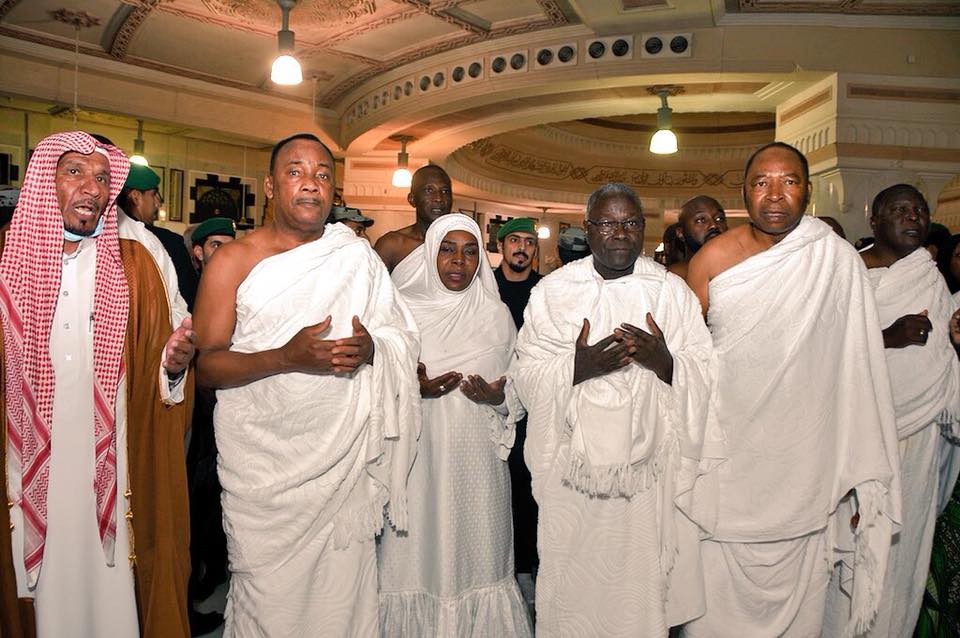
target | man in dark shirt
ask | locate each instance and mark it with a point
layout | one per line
(517, 242)
(141, 199)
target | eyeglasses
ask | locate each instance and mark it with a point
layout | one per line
(608, 226)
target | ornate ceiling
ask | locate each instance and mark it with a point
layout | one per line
(344, 43)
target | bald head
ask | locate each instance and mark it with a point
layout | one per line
(701, 219)
(430, 193)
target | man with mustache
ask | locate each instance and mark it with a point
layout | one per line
(803, 416)
(701, 219)
(431, 196)
(94, 538)
(920, 329)
(518, 243)
(612, 366)
(314, 358)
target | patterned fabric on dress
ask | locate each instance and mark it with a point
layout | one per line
(452, 573)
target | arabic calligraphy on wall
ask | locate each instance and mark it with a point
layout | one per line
(507, 158)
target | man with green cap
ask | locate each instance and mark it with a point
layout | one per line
(352, 218)
(210, 235)
(517, 242)
(140, 199)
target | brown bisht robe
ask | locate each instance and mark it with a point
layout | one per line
(159, 536)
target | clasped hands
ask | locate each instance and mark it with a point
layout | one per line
(309, 352)
(627, 344)
(474, 387)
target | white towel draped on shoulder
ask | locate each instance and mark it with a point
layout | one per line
(925, 379)
(299, 451)
(803, 402)
(628, 429)
(622, 426)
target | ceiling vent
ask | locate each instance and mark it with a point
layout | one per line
(555, 56)
(466, 72)
(508, 63)
(666, 45)
(619, 47)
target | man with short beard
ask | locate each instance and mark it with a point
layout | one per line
(701, 219)
(94, 538)
(517, 242)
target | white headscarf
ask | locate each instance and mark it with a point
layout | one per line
(469, 331)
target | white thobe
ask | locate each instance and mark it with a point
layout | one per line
(78, 593)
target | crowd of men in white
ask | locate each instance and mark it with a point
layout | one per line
(757, 450)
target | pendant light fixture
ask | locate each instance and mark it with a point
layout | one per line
(286, 70)
(664, 141)
(543, 231)
(138, 156)
(402, 178)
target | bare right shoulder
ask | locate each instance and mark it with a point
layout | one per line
(717, 255)
(393, 246)
(234, 260)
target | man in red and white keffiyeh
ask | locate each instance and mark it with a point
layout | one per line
(74, 296)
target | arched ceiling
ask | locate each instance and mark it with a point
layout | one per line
(343, 43)
(366, 60)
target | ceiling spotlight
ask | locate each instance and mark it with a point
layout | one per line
(402, 178)
(664, 141)
(286, 70)
(138, 157)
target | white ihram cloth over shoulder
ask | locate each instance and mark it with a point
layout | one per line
(451, 574)
(925, 380)
(307, 462)
(803, 408)
(611, 457)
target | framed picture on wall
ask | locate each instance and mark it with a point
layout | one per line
(175, 195)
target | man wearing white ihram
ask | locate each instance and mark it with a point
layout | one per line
(614, 432)
(916, 311)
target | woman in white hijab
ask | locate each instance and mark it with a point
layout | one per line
(452, 573)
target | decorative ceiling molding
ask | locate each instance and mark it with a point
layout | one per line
(97, 52)
(501, 157)
(456, 19)
(554, 18)
(359, 30)
(6, 5)
(128, 28)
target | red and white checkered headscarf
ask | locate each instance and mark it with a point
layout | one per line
(30, 270)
